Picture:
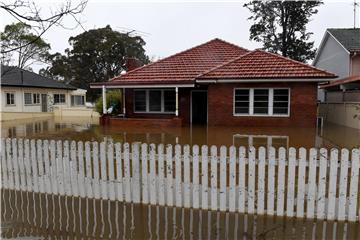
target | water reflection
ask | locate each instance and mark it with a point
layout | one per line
(330, 135)
(41, 216)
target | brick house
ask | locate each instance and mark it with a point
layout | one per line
(219, 84)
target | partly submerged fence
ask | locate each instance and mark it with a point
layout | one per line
(311, 184)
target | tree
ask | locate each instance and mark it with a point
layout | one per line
(30, 48)
(281, 27)
(113, 99)
(30, 14)
(95, 56)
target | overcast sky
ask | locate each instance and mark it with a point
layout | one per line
(172, 26)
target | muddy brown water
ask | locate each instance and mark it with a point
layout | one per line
(26, 215)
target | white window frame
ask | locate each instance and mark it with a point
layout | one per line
(36, 103)
(147, 101)
(76, 95)
(11, 104)
(270, 104)
(59, 103)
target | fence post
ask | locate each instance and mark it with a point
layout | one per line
(214, 177)
(281, 182)
(195, 178)
(153, 192)
(145, 175)
(169, 175)
(73, 170)
(9, 162)
(178, 184)
(204, 178)
(66, 165)
(59, 167)
(332, 184)
(223, 178)
(261, 181)
(291, 183)
(135, 182)
(21, 164)
(271, 181)
(232, 179)
(251, 181)
(96, 179)
(300, 199)
(343, 184)
(53, 168)
(15, 163)
(81, 174)
(354, 185)
(111, 169)
(4, 164)
(242, 190)
(89, 174)
(161, 175)
(119, 172)
(47, 167)
(321, 197)
(187, 192)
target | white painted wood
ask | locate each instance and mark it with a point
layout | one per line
(47, 172)
(311, 194)
(169, 176)
(251, 181)
(223, 178)
(40, 166)
(321, 195)
(332, 184)
(153, 192)
(111, 170)
(178, 182)
(242, 189)
(281, 182)
(88, 173)
(21, 164)
(290, 198)
(67, 168)
(103, 172)
(261, 182)
(344, 169)
(354, 185)
(59, 167)
(232, 179)
(204, 177)
(135, 183)
(214, 177)
(187, 188)
(161, 174)
(73, 170)
(136, 197)
(300, 196)
(4, 178)
(144, 175)
(81, 175)
(195, 177)
(15, 163)
(271, 181)
(9, 163)
(53, 167)
(96, 171)
(119, 173)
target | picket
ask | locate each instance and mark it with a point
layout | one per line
(181, 177)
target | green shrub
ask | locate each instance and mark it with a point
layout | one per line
(113, 98)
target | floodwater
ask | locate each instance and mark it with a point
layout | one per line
(27, 215)
(87, 129)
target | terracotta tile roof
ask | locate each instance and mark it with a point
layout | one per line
(262, 64)
(184, 66)
(351, 79)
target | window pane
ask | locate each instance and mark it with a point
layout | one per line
(261, 101)
(28, 98)
(155, 100)
(281, 101)
(169, 101)
(36, 98)
(140, 101)
(242, 101)
(10, 98)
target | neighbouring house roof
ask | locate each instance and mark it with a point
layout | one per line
(349, 38)
(17, 77)
(216, 59)
(351, 79)
(260, 64)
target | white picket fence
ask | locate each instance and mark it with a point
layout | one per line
(311, 184)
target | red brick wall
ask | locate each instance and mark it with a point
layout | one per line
(302, 106)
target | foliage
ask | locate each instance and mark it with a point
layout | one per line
(113, 98)
(30, 48)
(281, 27)
(96, 55)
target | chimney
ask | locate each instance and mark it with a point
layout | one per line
(132, 63)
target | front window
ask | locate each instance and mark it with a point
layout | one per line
(154, 101)
(36, 98)
(59, 98)
(261, 102)
(10, 99)
(77, 100)
(27, 98)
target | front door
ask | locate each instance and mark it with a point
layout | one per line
(44, 102)
(199, 107)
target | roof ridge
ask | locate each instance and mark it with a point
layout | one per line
(177, 54)
(225, 63)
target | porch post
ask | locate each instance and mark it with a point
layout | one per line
(104, 98)
(124, 108)
(176, 101)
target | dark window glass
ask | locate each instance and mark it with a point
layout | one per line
(28, 98)
(242, 99)
(59, 98)
(281, 102)
(140, 101)
(169, 101)
(261, 101)
(10, 99)
(154, 101)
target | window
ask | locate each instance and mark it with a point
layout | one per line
(10, 99)
(77, 100)
(36, 98)
(261, 102)
(59, 98)
(156, 101)
(28, 98)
